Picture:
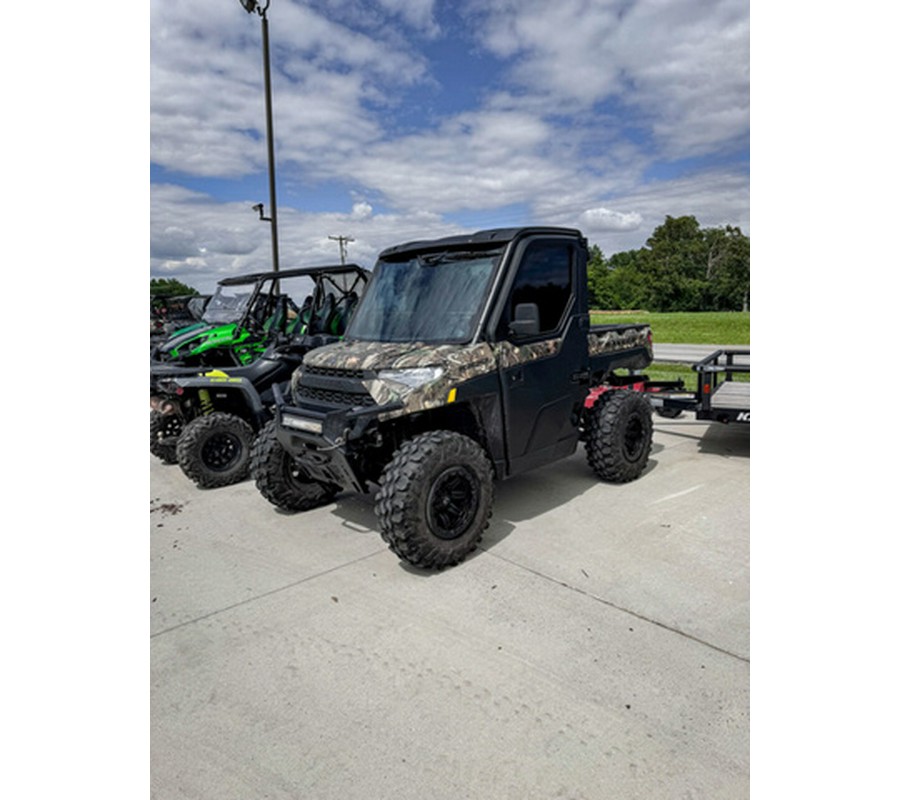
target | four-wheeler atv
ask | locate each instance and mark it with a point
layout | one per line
(206, 420)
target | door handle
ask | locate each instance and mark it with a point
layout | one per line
(516, 376)
(583, 376)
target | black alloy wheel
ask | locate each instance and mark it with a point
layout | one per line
(452, 502)
(221, 450)
(214, 450)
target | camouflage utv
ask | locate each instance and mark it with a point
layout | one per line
(469, 359)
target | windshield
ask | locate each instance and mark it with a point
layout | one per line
(427, 298)
(196, 306)
(227, 304)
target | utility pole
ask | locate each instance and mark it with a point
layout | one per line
(343, 241)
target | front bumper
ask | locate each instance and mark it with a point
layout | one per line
(322, 441)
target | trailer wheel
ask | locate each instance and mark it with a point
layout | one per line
(435, 499)
(669, 413)
(214, 450)
(164, 432)
(619, 435)
(280, 479)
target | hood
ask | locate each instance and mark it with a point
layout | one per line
(195, 336)
(369, 356)
(458, 364)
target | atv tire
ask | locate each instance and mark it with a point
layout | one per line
(164, 432)
(214, 450)
(280, 479)
(619, 433)
(435, 499)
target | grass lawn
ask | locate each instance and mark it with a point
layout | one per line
(702, 327)
(673, 372)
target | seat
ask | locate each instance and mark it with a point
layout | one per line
(300, 323)
(275, 321)
(322, 316)
(343, 310)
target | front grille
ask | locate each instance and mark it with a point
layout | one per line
(332, 398)
(325, 386)
(330, 372)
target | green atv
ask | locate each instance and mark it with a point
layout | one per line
(242, 318)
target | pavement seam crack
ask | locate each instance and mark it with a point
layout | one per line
(264, 594)
(610, 604)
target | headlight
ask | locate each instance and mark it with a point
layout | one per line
(301, 424)
(295, 386)
(411, 378)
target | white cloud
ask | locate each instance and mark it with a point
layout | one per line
(683, 66)
(200, 241)
(405, 17)
(417, 13)
(539, 140)
(361, 210)
(603, 220)
(206, 86)
(477, 160)
(715, 198)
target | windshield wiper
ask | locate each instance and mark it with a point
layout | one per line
(446, 257)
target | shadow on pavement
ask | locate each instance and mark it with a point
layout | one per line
(713, 438)
(516, 499)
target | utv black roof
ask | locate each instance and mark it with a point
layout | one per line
(479, 239)
(333, 269)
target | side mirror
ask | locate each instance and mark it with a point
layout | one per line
(526, 320)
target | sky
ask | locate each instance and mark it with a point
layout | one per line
(407, 119)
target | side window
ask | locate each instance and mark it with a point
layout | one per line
(545, 279)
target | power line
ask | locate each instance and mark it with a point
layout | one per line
(343, 241)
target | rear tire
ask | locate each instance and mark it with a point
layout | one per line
(435, 499)
(214, 450)
(619, 434)
(164, 432)
(280, 479)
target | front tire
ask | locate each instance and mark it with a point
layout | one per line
(435, 499)
(280, 479)
(164, 432)
(214, 450)
(619, 434)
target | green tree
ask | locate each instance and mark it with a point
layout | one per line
(675, 266)
(728, 268)
(169, 287)
(682, 267)
(596, 277)
(628, 285)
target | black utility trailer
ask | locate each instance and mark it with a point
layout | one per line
(719, 396)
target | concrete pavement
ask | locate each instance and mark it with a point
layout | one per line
(595, 646)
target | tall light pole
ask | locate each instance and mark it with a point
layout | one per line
(250, 6)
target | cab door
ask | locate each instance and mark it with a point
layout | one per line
(542, 356)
